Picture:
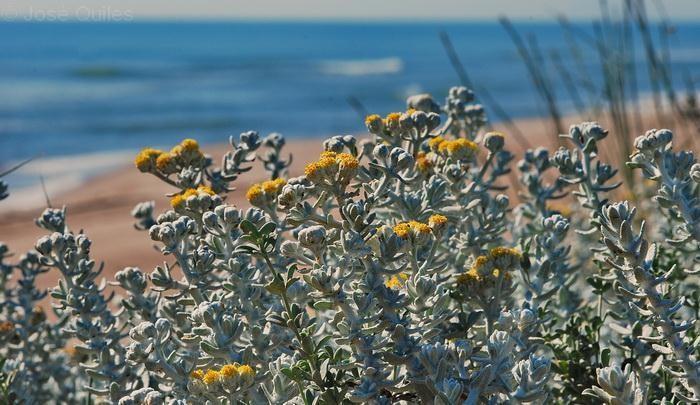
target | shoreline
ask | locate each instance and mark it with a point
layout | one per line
(63, 174)
(102, 205)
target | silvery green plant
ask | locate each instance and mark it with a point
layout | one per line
(678, 176)
(639, 283)
(617, 386)
(81, 298)
(394, 269)
(35, 348)
(643, 289)
(543, 230)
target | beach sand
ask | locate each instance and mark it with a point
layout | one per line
(102, 205)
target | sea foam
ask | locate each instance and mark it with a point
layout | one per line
(361, 67)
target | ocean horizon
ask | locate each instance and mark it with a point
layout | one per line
(76, 88)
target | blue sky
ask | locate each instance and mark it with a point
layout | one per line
(326, 9)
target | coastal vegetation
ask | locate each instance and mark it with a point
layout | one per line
(401, 266)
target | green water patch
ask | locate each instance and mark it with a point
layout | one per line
(100, 72)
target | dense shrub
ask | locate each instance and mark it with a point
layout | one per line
(397, 268)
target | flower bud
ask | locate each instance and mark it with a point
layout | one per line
(291, 195)
(232, 215)
(289, 248)
(695, 173)
(274, 140)
(420, 119)
(334, 144)
(142, 331)
(366, 147)
(502, 201)
(349, 141)
(563, 161)
(653, 139)
(400, 159)
(380, 151)
(154, 232)
(587, 130)
(312, 237)
(593, 130)
(494, 141)
(52, 219)
(422, 102)
(43, 245)
(506, 321)
(132, 279)
(556, 224)
(210, 220)
(250, 140)
(616, 385)
(59, 241)
(462, 94)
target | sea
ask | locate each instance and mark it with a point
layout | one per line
(103, 90)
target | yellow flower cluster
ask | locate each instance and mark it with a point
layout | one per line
(396, 281)
(188, 145)
(437, 222)
(146, 159)
(273, 186)
(504, 252)
(227, 373)
(391, 122)
(185, 153)
(423, 162)
(473, 276)
(261, 193)
(460, 148)
(434, 143)
(469, 277)
(488, 268)
(211, 377)
(165, 162)
(403, 229)
(331, 163)
(178, 200)
(374, 123)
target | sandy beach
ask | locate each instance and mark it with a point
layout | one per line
(102, 205)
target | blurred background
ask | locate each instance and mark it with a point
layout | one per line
(101, 78)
